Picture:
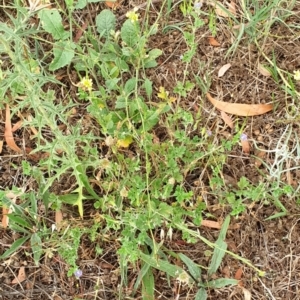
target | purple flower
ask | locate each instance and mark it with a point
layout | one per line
(78, 273)
(198, 5)
(244, 137)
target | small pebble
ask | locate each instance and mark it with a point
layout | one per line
(257, 132)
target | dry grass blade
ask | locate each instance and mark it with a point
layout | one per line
(239, 109)
(8, 136)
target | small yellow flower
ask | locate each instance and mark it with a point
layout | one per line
(124, 142)
(297, 75)
(86, 84)
(132, 15)
(163, 94)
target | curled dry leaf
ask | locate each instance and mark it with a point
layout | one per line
(213, 42)
(239, 109)
(223, 70)
(227, 119)
(211, 224)
(263, 70)
(8, 136)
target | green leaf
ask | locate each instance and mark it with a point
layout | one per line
(155, 53)
(201, 294)
(194, 270)
(81, 4)
(142, 273)
(220, 248)
(52, 23)
(68, 198)
(70, 4)
(148, 87)
(150, 64)
(221, 282)
(105, 21)
(21, 221)
(14, 247)
(129, 86)
(162, 265)
(36, 245)
(148, 285)
(130, 33)
(63, 54)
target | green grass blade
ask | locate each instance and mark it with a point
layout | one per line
(220, 248)
(14, 247)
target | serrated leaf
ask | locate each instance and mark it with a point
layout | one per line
(63, 54)
(220, 248)
(201, 294)
(194, 270)
(221, 282)
(130, 33)
(14, 247)
(52, 23)
(105, 21)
